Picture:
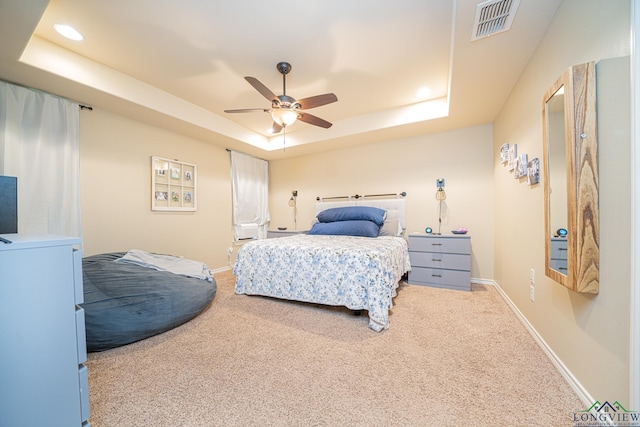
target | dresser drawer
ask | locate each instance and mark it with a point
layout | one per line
(440, 260)
(77, 276)
(559, 265)
(559, 248)
(81, 336)
(451, 279)
(452, 245)
(83, 381)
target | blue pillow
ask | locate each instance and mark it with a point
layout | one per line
(353, 213)
(346, 228)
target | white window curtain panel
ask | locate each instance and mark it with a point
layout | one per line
(39, 146)
(250, 190)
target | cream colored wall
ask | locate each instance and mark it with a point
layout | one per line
(463, 157)
(589, 333)
(115, 185)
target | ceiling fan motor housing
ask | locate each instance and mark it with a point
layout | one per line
(285, 101)
(283, 67)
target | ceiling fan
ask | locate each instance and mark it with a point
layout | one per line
(285, 110)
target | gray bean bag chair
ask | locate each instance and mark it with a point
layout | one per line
(124, 303)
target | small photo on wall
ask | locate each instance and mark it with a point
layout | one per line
(533, 173)
(513, 156)
(522, 163)
(504, 153)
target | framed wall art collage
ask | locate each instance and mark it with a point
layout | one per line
(173, 185)
(520, 165)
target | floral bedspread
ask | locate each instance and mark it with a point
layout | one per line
(360, 273)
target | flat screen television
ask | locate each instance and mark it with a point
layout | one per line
(8, 204)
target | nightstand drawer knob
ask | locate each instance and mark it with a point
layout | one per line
(436, 275)
(436, 244)
(435, 259)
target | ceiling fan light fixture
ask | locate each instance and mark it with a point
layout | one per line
(284, 117)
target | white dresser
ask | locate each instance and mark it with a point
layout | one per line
(42, 331)
(442, 261)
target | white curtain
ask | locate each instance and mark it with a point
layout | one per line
(250, 189)
(39, 146)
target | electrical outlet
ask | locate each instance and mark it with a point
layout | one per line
(532, 276)
(532, 293)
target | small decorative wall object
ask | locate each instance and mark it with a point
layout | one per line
(513, 155)
(533, 172)
(516, 168)
(520, 168)
(173, 185)
(504, 153)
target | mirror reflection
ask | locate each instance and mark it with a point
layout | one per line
(557, 180)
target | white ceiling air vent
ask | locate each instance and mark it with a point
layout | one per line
(492, 17)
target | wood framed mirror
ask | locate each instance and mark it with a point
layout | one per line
(570, 167)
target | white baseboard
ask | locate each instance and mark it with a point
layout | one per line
(483, 281)
(582, 393)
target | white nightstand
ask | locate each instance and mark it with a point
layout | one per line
(283, 233)
(442, 261)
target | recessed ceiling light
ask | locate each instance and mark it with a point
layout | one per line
(423, 93)
(68, 32)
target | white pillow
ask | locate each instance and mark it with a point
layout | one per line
(391, 227)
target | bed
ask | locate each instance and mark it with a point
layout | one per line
(360, 272)
(127, 299)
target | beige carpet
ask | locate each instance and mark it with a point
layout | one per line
(449, 358)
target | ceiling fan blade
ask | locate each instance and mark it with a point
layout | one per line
(317, 101)
(265, 91)
(275, 128)
(247, 110)
(313, 120)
